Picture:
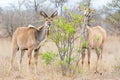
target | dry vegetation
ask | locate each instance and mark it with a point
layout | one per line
(109, 65)
(26, 12)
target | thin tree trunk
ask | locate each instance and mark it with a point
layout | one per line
(61, 5)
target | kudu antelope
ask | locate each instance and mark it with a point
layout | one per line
(95, 37)
(30, 39)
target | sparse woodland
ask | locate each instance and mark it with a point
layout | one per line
(67, 35)
(26, 12)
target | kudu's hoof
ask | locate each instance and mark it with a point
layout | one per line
(96, 72)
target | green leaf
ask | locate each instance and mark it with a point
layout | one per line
(84, 44)
(65, 8)
(63, 50)
(93, 20)
(48, 57)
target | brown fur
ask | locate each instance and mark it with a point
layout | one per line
(96, 38)
(30, 38)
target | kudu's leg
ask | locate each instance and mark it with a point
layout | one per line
(36, 52)
(101, 47)
(101, 50)
(83, 57)
(14, 51)
(98, 57)
(22, 54)
(29, 58)
(89, 55)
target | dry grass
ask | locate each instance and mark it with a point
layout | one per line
(53, 72)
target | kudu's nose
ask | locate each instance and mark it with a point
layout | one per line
(49, 23)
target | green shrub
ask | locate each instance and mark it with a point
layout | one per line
(63, 33)
(48, 57)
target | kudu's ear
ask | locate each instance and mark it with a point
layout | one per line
(54, 14)
(42, 13)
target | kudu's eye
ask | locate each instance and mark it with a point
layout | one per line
(46, 19)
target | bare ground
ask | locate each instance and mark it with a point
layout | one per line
(52, 72)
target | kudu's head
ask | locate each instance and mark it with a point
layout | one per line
(48, 19)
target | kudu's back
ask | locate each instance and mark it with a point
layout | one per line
(24, 37)
(96, 36)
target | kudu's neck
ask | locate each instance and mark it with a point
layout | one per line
(42, 32)
(45, 29)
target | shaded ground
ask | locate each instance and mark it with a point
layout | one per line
(52, 72)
